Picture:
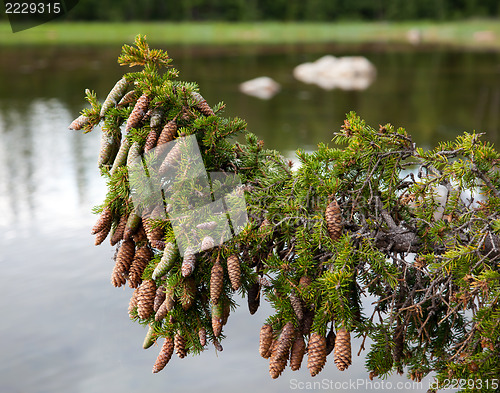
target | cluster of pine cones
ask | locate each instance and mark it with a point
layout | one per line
(140, 238)
(288, 345)
(145, 256)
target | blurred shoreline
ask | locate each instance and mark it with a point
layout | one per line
(472, 34)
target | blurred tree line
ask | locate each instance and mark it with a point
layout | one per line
(283, 10)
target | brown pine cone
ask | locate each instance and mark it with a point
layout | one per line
(166, 306)
(234, 271)
(140, 109)
(333, 218)
(151, 140)
(342, 350)
(124, 258)
(296, 305)
(165, 354)
(172, 158)
(180, 346)
(132, 305)
(141, 259)
(216, 282)
(101, 236)
(152, 233)
(285, 341)
(265, 341)
(168, 132)
(297, 352)
(202, 334)
(127, 99)
(104, 221)
(119, 229)
(159, 297)
(316, 354)
(146, 298)
(276, 364)
(202, 105)
(79, 123)
(253, 298)
(330, 342)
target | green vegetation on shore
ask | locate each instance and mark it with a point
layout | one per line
(484, 34)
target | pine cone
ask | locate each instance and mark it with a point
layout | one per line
(316, 357)
(216, 282)
(188, 293)
(234, 271)
(141, 259)
(265, 341)
(104, 221)
(171, 158)
(218, 346)
(285, 341)
(253, 297)
(101, 236)
(333, 218)
(202, 334)
(202, 105)
(217, 317)
(153, 233)
(166, 306)
(304, 282)
(132, 225)
(151, 140)
(297, 353)
(207, 243)
(168, 132)
(140, 235)
(109, 147)
(140, 109)
(276, 364)
(330, 342)
(180, 346)
(188, 262)
(159, 297)
(119, 229)
(114, 96)
(307, 322)
(80, 122)
(127, 99)
(166, 262)
(146, 298)
(296, 305)
(165, 354)
(132, 305)
(124, 258)
(342, 350)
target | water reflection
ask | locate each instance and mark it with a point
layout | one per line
(64, 327)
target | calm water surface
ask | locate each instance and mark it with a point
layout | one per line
(64, 328)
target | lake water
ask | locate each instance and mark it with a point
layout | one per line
(64, 328)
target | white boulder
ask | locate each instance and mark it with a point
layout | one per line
(262, 87)
(330, 72)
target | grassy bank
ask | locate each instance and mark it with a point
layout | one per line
(474, 33)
